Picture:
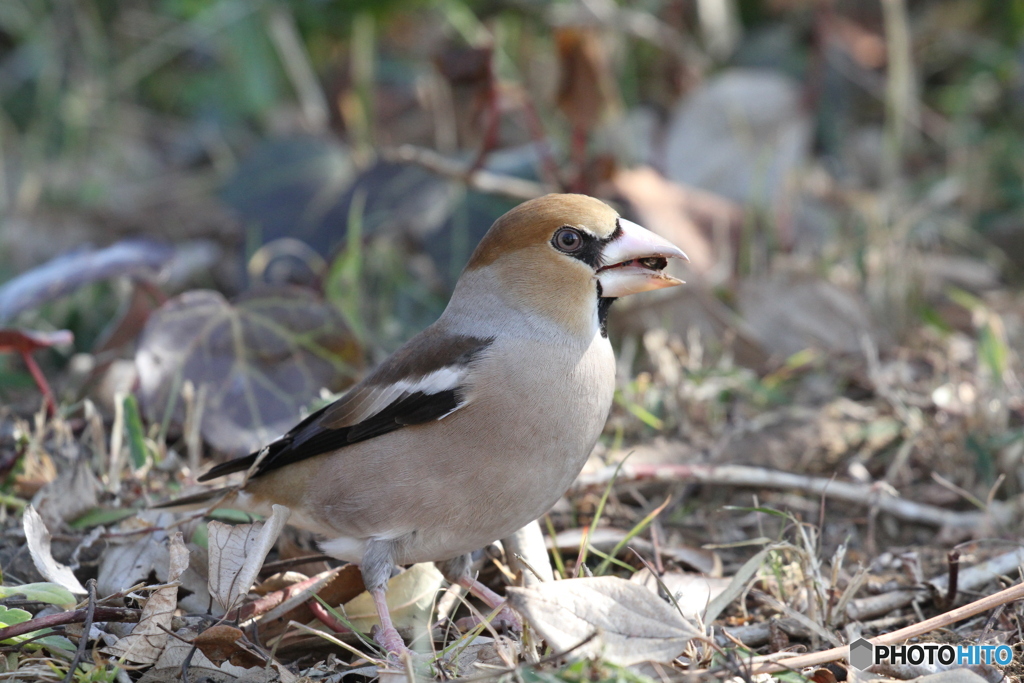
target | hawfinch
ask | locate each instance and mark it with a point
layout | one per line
(478, 424)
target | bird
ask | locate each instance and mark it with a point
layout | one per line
(477, 425)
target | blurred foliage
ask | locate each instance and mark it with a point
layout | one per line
(148, 117)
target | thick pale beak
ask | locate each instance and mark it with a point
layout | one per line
(635, 261)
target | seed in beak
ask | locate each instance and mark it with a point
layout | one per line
(654, 262)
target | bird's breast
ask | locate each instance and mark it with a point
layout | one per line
(534, 412)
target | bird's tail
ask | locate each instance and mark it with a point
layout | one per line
(213, 498)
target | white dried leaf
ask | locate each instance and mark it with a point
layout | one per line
(149, 637)
(692, 592)
(631, 623)
(37, 536)
(237, 553)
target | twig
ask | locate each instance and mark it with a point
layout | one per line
(83, 640)
(792, 614)
(482, 180)
(757, 477)
(967, 580)
(277, 603)
(325, 617)
(274, 567)
(40, 380)
(73, 617)
(1003, 597)
(954, 570)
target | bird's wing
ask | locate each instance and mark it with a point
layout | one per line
(423, 381)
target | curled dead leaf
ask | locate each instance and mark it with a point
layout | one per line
(237, 553)
(37, 536)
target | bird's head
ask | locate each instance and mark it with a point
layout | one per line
(560, 254)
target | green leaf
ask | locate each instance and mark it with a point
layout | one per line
(50, 593)
(10, 616)
(992, 351)
(101, 516)
(136, 434)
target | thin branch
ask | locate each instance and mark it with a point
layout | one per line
(482, 180)
(73, 617)
(993, 601)
(761, 478)
(83, 640)
(967, 580)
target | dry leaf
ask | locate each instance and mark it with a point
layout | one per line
(410, 597)
(263, 358)
(149, 637)
(692, 592)
(125, 565)
(220, 644)
(483, 655)
(202, 669)
(526, 552)
(37, 536)
(632, 624)
(72, 493)
(292, 603)
(736, 586)
(237, 553)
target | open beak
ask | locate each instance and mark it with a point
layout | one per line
(635, 262)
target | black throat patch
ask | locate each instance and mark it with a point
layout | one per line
(604, 304)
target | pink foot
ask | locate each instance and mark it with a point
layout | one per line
(506, 620)
(386, 635)
(389, 639)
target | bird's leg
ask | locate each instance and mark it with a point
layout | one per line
(376, 569)
(387, 635)
(456, 570)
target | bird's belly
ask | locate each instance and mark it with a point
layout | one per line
(479, 474)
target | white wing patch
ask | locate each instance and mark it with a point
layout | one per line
(434, 382)
(379, 397)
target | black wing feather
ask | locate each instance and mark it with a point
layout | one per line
(325, 430)
(309, 438)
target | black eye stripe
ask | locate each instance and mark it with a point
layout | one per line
(590, 252)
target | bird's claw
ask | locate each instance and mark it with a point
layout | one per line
(389, 639)
(505, 620)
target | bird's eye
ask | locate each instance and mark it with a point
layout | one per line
(567, 240)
